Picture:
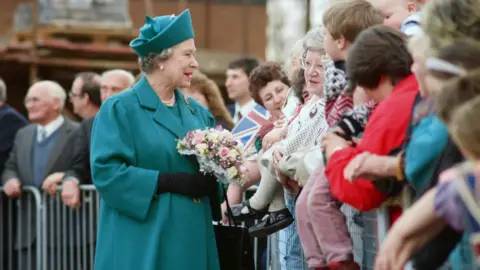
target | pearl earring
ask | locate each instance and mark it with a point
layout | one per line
(161, 67)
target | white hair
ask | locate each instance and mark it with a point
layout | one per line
(148, 64)
(296, 52)
(55, 90)
(313, 40)
(120, 72)
(3, 91)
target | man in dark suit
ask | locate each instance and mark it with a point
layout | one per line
(39, 149)
(10, 122)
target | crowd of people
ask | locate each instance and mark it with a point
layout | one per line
(373, 109)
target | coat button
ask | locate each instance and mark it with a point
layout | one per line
(196, 200)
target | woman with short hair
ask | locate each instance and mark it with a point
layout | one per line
(155, 210)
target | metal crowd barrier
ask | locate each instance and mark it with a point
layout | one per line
(367, 230)
(38, 231)
(70, 234)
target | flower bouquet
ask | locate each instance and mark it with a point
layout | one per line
(217, 152)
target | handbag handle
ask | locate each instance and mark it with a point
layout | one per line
(229, 210)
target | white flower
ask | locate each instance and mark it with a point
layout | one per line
(202, 148)
(232, 172)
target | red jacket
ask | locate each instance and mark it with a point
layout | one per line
(384, 132)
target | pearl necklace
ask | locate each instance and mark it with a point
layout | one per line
(170, 102)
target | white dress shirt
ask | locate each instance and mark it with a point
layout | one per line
(243, 110)
(44, 132)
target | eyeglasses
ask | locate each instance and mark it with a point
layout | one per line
(319, 67)
(72, 95)
(29, 100)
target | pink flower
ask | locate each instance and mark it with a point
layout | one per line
(198, 137)
(224, 153)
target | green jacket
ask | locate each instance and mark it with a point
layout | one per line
(133, 140)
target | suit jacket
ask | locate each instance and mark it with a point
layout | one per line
(19, 165)
(10, 122)
(80, 163)
(134, 138)
(79, 169)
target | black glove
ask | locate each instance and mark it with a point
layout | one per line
(192, 185)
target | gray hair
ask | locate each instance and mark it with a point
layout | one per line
(313, 40)
(128, 75)
(296, 52)
(55, 90)
(3, 91)
(148, 64)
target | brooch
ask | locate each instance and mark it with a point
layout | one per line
(185, 98)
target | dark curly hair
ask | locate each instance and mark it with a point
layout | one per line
(262, 75)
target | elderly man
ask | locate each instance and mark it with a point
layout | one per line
(39, 149)
(114, 81)
(78, 172)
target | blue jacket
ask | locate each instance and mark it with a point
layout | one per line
(428, 140)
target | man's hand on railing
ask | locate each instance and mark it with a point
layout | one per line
(51, 182)
(71, 193)
(13, 188)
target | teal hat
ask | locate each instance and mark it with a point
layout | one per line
(163, 32)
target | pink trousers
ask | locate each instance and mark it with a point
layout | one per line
(321, 225)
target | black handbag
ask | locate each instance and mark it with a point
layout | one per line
(233, 244)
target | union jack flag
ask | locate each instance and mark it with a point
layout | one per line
(246, 130)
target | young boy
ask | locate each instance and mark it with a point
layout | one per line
(339, 34)
(403, 15)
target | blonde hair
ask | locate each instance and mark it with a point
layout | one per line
(465, 129)
(445, 21)
(210, 90)
(347, 18)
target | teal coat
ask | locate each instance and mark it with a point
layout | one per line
(133, 140)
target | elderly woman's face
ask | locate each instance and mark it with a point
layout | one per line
(181, 65)
(273, 96)
(313, 65)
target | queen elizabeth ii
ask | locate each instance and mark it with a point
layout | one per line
(155, 210)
